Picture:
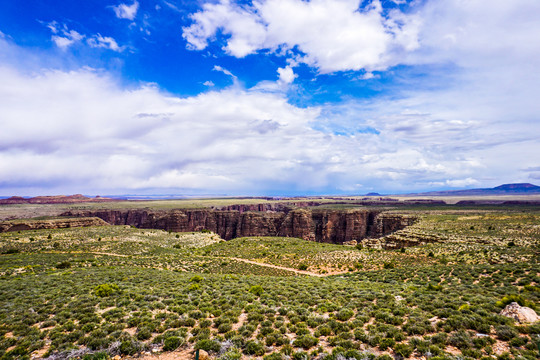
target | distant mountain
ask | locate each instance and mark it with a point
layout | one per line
(506, 189)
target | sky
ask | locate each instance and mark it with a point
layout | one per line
(267, 97)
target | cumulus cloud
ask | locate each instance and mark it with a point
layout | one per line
(473, 122)
(331, 35)
(125, 11)
(286, 74)
(93, 131)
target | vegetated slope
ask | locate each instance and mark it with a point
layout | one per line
(121, 290)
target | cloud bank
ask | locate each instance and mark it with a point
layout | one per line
(469, 118)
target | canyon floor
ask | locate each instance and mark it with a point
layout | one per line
(98, 292)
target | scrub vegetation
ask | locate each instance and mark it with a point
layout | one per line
(98, 292)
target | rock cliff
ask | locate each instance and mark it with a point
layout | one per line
(33, 224)
(321, 225)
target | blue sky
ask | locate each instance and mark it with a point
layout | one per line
(281, 97)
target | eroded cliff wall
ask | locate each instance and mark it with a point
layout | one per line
(321, 225)
(31, 224)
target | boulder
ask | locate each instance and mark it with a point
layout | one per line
(203, 355)
(521, 314)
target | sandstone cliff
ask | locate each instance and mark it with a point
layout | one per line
(33, 224)
(329, 226)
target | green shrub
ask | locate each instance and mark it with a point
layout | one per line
(531, 288)
(104, 290)
(101, 355)
(515, 298)
(224, 328)
(273, 356)
(130, 347)
(518, 341)
(172, 343)
(232, 354)
(305, 342)
(505, 332)
(344, 314)
(386, 343)
(256, 290)
(144, 333)
(461, 339)
(254, 348)
(208, 345)
(323, 330)
(300, 355)
(432, 287)
(403, 350)
(194, 287)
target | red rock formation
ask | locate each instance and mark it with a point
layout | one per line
(330, 226)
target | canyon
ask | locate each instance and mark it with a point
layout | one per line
(321, 225)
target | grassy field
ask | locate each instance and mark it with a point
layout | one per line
(98, 292)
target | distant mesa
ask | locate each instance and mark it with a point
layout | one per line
(373, 194)
(505, 189)
(59, 199)
(519, 188)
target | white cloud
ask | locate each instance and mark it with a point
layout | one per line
(286, 74)
(62, 36)
(106, 42)
(226, 72)
(208, 83)
(473, 123)
(332, 35)
(124, 11)
(81, 128)
(460, 183)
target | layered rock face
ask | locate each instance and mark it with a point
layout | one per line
(31, 224)
(329, 226)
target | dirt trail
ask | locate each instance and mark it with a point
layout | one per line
(84, 252)
(302, 272)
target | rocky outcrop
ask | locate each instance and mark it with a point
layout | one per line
(329, 226)
(31, 224)
(521, 314)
